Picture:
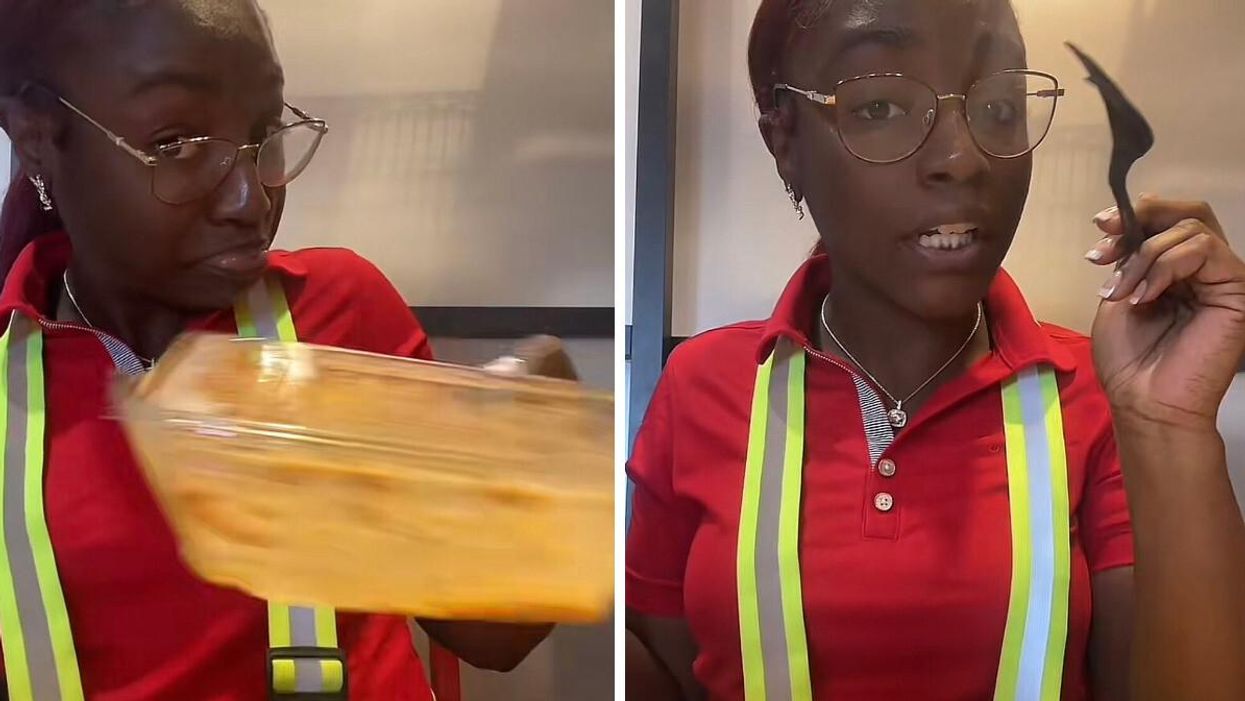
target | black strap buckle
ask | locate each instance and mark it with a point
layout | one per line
(290, 657)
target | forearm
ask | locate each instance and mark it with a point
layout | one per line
(1189, 634)
(498, 647)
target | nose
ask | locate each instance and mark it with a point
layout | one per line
(950, 155)
(241, 199)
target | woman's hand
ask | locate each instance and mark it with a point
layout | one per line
(1170, 333)
(537, 355)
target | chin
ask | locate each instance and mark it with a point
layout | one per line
(945, 298)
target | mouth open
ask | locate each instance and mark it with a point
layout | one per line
(949, 237)
(951, 248)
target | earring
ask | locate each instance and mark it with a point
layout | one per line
(795, 201)
(42, 188)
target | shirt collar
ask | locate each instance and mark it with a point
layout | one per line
(1019, 340)
(40, 265)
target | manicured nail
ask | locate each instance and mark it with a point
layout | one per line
(1138, 293)
(1106, 215)
(1099, 251)
(1109, 287)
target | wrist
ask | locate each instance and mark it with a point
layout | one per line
(1158, 423)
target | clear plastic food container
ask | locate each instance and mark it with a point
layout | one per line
(316, 475)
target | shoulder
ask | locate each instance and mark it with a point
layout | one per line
(719, 349)
(340, 298)
(329, 271)
(719, 364)
(1080, 390)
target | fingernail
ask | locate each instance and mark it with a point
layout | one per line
(1139, 293)
(1109, 287)
(1106, 215)
(1099, 251)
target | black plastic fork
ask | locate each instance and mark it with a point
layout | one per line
(1132, 139)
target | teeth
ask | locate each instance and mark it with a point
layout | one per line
(956, 228)
(946, 241)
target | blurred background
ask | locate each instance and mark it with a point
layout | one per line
(471, 158)
(714, 223)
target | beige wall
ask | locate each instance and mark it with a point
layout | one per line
(737, 239)
(471, 158)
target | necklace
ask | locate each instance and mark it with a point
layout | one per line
(898, 417)
(72, 300)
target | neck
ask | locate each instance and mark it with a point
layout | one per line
(147, 328)
(900, 349)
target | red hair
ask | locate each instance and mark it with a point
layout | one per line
(27, 34)
(22, 220)
(775, 24)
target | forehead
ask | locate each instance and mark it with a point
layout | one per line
(947, 28)
(220, 44)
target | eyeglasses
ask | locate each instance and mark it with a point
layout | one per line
(185, 170)
(887, 117)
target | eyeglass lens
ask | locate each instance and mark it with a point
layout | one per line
(887, 118)
(188, 171)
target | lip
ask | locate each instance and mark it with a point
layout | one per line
(241, 261)
(970, 258)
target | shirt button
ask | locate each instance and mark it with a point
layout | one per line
(887, 468)
(883, 502)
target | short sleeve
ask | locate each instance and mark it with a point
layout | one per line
(1106, 527)
(662, 522)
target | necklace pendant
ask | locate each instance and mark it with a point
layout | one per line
(898, 417)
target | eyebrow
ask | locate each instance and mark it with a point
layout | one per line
(188, 80)
(895, 37)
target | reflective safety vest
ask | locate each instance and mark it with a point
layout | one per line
(771, 604)
(304, 661)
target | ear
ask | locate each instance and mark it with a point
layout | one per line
(778, 130)
(33, 132)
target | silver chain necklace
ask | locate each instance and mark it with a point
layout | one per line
(72, 300)
(897, 417)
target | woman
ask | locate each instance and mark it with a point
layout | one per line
(139, 214)
(901, 487)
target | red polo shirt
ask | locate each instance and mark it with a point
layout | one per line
(144, 626)
(904, 604)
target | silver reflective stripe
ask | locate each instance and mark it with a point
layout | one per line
(261, 311)
(769, 585)
(34, 619)
(1041, 501)
(310, 677)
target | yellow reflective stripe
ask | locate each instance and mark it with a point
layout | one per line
(789, 533)
(281, 311)
(1022, 551)
(284, 676)
(278, 625)
(245, 319)
(326, 627)
(36, 523)
(749, 610)
(16, 669)
(1052, 677)
(334, 676)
